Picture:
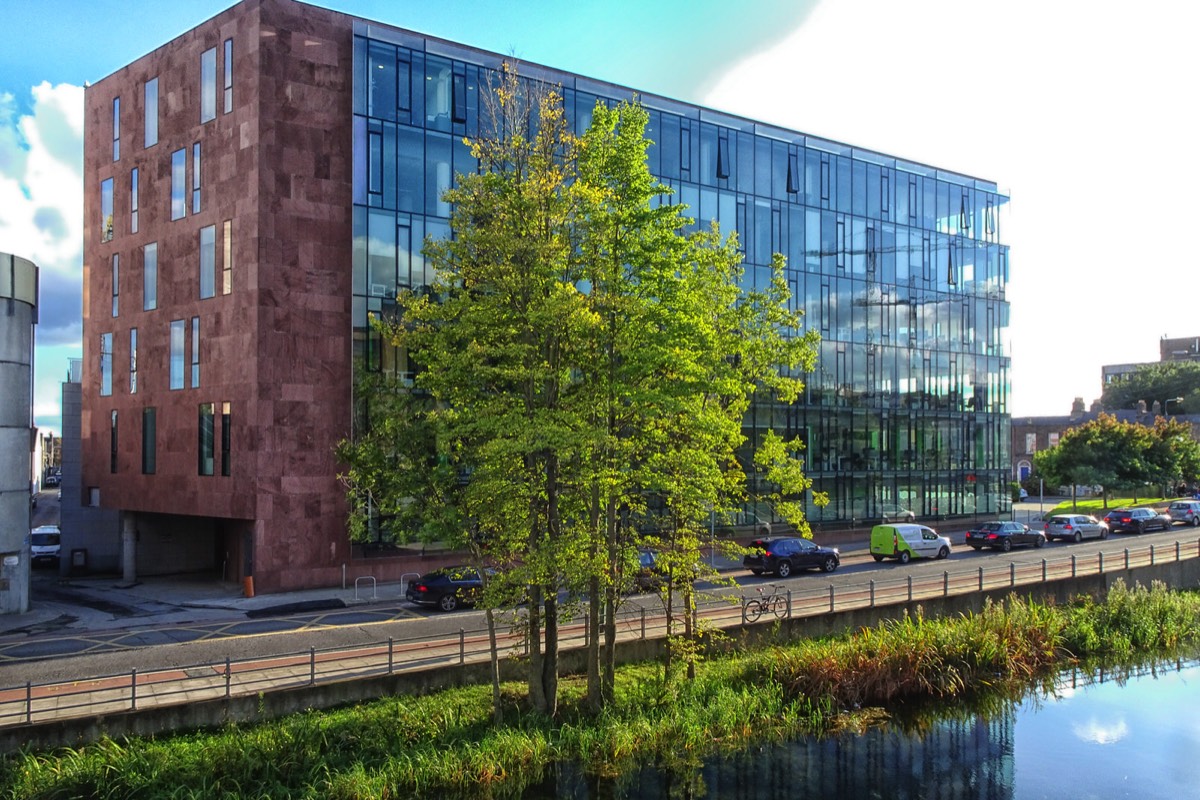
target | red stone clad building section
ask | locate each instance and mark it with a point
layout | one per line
(275, 192)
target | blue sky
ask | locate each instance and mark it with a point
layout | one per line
(1080, 109)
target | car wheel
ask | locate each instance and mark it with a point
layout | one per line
(877, 557)
(757, 571)
(904, 556)
(1141, 528)
(944, 552)
(1006, 545)
(783, 569)
(448, 602)
(1078, 537)
(1039, 541)
(1196, 521)
(830, 564)
(976, 547)
(1104, 533)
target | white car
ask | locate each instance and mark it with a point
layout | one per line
(44, 544)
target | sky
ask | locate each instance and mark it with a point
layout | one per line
(1080, 111)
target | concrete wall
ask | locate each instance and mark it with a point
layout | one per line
(271, 705)
(18, 315)
(97, 530)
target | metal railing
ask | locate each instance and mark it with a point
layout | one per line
(32, 703)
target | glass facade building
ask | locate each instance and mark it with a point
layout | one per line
(899, 266)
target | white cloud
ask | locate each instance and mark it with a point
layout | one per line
(41, 218)
(1079, 110)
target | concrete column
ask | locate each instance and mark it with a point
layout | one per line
(129, 548)
(18, 316)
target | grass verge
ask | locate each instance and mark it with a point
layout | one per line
(445, 744)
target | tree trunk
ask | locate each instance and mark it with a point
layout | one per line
(549, 673)
(595, 691)
(497, 711)
(537, 696)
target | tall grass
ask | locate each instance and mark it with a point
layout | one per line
(446, 744)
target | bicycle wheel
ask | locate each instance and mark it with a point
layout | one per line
(754, 610)
(779, 606)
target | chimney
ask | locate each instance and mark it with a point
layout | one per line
(1077, 407)
(1096, 407)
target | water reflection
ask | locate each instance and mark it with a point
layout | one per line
(1091, 733)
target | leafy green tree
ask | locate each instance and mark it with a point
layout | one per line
(1158, 382)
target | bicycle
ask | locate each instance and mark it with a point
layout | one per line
(774, 603)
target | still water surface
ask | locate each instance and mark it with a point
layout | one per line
(1098, 734)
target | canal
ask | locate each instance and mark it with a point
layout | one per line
(1131, 732)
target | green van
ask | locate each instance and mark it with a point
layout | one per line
(904, 541)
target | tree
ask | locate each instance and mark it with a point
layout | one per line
(1158, 382)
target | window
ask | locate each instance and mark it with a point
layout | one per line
(195, 352)
(793, 173)
(150, 277)
(208, 85)
(460, 98)
(226, 437)
(133, 201)
(112, 443)
(150, 135)
(177, 334)
(723, 157)
(228, 75)
(106, 210)
(205, 443)
(149, 443)
(106, 342)
(178, 182)
(116, 129)
(1031, 443)
(133, 360)
(227, 257)
(207, 261)
(1053, 439)
(196, 178)
(116, 283)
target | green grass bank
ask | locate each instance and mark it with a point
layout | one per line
(446, 745)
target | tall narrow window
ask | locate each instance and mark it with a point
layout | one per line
(177, 337)
(723, 157)
(205, 443)
(149, 441)
(460, 98)
(112, 443)
(178, 184)
(885, 193)
(208, 85)
(116, 284)
(793, 176)
(116, 129)
(106, 210)
(196, 178)
(195, 352)
(226, 437)
(150, 277)
(227, 257)
(228, 75)
(133, 360)
(208, 266)
(106, 365)
(150, 135)
(133, 200)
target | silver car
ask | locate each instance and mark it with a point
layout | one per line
(1075, 528)
(1185, 511)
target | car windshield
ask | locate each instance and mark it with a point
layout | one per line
(45, 539)
(1060, 521)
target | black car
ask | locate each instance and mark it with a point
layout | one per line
(447, 588)
(1136, 520)
(1004, 536)
(784, 556)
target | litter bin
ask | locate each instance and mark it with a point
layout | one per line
(79, 560)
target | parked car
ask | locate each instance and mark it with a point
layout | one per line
(1185, 511)
(782, 557)
(447, 588)
(906, 541)
(44, 544)
(52, 479)
(1075, 528)
(1136, 520)
(896, 514)
(1001, 535)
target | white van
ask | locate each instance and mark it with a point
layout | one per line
(907, 541)
(44, 544)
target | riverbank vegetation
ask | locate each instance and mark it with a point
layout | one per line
(449, 745)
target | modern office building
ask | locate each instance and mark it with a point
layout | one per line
(261, 184)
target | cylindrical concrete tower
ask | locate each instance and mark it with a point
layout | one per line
(18, 315)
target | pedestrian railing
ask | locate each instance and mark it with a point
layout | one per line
(638, 618)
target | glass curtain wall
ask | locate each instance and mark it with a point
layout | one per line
(899, 266)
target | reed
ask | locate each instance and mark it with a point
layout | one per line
(447, 744)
